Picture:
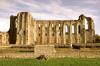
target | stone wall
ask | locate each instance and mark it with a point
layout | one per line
(26, 30)
(21, 26)
(54, 31)
(4, 38)
(47, 50)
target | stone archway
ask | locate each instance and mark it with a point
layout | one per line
(86, 23)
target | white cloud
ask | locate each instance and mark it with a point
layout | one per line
(4, 24)
(46, 16)
(27, 3)
(4, 4)
(70, 13)
(7, 6)
(52, 10)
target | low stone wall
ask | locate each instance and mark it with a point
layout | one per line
(82, 53)
(47, 50)
(16, 55)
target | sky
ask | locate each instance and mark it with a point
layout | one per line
(50, 9)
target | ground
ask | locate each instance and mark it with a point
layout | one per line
(51, 62)
(24, 56)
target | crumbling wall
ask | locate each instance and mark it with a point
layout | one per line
(26, 30)
(47, 50)
(4, 38)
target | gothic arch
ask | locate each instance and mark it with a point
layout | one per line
(79, 29)
(66, 28)
(73, 28)
(86, 23)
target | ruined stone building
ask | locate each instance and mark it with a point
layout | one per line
(4, 38)
(25, 30)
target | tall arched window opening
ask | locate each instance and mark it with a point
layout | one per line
(73, 28)
(86, 24)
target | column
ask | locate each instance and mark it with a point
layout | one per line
(76, 32)
(70, 34)
(64, 39)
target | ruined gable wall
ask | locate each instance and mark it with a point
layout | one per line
(24, 27)
(87, 34)
(90, 32)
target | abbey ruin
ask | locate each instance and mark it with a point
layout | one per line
(25, 30)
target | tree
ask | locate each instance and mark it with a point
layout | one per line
(97, 38)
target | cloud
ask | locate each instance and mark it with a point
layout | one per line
(71, 13)
(23, 2)
(46, 16)
(48, 9)
(4, 25)
(6, 5)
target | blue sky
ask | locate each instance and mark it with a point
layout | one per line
(50, 9)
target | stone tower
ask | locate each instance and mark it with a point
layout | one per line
(13, 30)
(21, 29)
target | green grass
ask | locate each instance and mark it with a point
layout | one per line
(51, 62)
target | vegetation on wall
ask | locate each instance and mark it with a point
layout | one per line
(97, 38)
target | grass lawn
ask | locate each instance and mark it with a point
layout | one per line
(51, 62)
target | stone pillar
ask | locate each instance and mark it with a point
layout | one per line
(42, 33)
(57, 33)
(76, 32)
(29, 29)
(64, 39)
(18, 26)
(50, 33)
(61, 31)
(70, 34)
(23, 29)
(35, 31)
(83, 34)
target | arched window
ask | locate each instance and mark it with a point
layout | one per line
(73, 27)
(39, 26)
(46, 27)
(79, 29)
(59, 26)
(52, 25)
(66, 28)
(86, 24)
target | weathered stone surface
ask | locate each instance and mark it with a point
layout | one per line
(4, 38)
(46, 50)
